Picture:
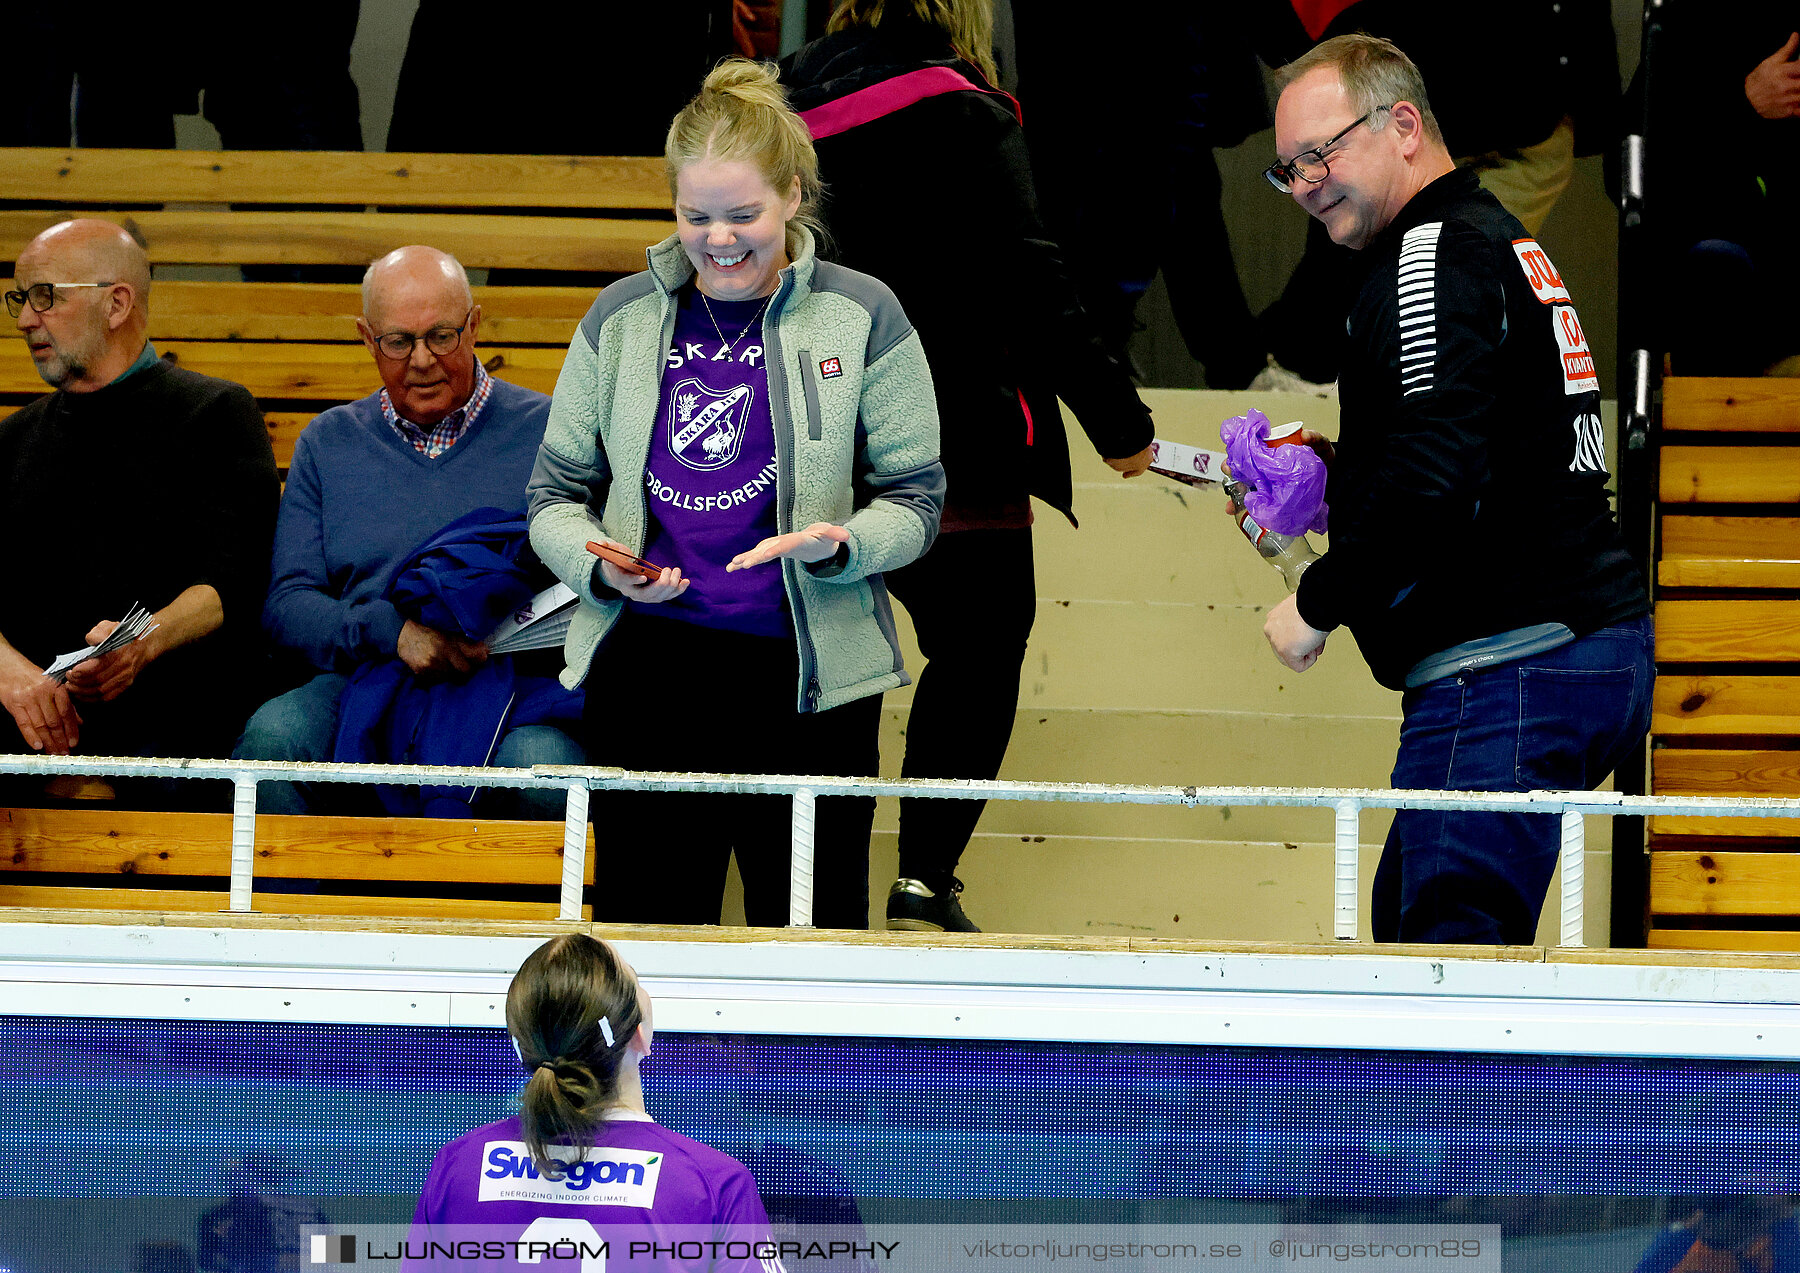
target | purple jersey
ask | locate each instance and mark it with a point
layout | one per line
(709, 482)
(636, 1173)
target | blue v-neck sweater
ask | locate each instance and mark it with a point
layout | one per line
(358, 499)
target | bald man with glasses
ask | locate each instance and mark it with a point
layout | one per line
(135, 482)
(370, 482)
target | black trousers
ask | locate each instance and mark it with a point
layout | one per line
(1752, 265)
(972, 600)
(673, 696)
(176, 708)
(1304, 327)
(291, 94)
(587, 96)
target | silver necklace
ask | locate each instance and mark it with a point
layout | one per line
(747, 326)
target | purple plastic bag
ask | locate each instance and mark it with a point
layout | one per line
(1289, 481)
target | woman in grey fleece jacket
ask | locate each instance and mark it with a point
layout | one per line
(762, 425)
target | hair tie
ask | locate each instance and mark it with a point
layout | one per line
(548, 1065)
(606, 1031)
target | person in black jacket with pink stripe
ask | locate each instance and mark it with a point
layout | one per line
(928, 187)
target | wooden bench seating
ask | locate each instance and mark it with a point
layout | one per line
(1730, 552)
(1727, 710)
(183, 863)
(295, 346)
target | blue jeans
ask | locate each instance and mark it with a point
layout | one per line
(301, 725)
(1557, 721)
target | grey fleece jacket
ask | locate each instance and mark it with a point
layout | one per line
(858, 449)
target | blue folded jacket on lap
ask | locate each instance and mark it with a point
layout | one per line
(462, 581)
(466, 578)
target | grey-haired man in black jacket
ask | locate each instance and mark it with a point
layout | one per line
(1473, 549)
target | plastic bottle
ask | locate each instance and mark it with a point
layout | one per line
(1290, 554)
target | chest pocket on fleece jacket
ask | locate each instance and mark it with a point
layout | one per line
(809, 383)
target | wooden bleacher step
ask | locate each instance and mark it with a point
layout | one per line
(1726, 718)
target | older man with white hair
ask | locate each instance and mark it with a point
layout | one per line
(370, 482)
(135, 483)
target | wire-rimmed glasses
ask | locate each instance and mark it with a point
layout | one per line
(1312, 166)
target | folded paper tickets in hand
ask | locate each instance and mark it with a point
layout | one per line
(135, 625)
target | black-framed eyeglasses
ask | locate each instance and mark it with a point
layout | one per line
(1312, 166)
(40, 296)
(439, 340)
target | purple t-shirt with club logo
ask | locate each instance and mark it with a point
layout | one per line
(710, 480)
(636, 1174)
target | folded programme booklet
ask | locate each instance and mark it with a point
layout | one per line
(1187, 464)
(538, 624)
(136, 624)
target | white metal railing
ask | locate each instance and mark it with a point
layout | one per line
(1346, 804)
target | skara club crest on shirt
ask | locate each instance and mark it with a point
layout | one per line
(706, 426)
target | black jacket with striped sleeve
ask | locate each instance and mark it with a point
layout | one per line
(1469, 493)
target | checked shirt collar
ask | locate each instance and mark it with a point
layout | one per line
(434, 441)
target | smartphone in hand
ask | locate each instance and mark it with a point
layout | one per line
(625, 561)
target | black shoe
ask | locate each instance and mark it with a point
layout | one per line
(914, 908)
